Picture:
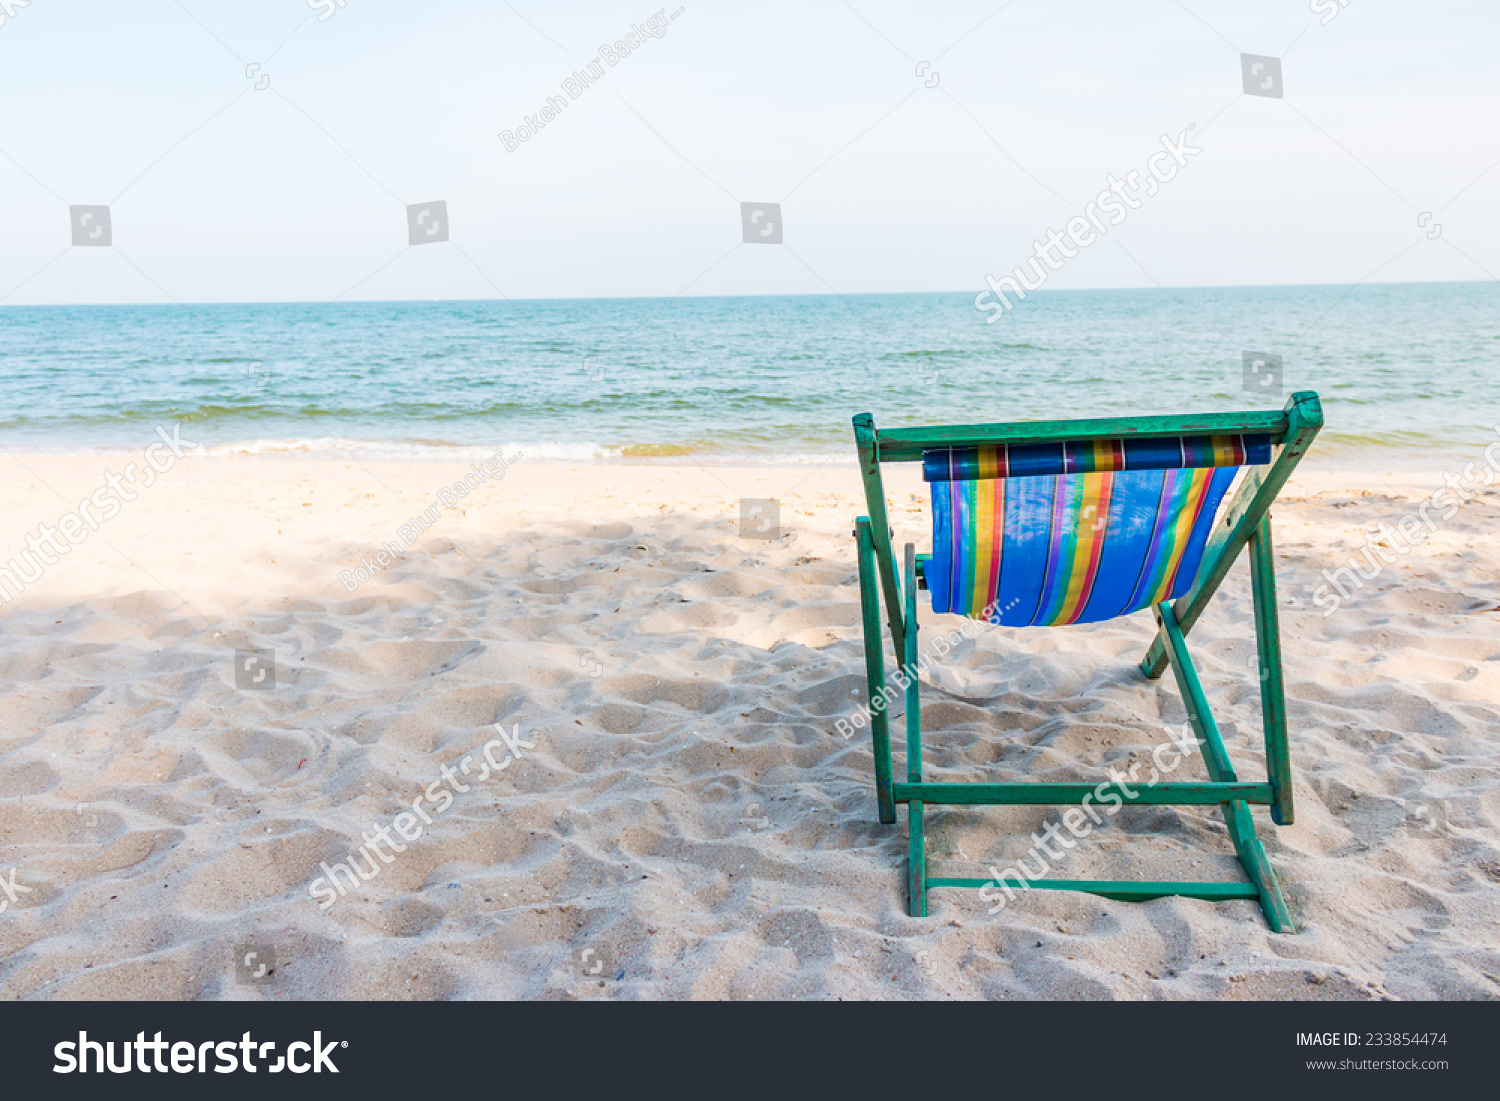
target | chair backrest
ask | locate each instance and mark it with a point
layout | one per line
(1075, 530)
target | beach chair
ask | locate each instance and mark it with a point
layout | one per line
(1047, 523)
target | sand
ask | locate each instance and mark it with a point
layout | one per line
(686, 822)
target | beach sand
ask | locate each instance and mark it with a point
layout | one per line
(688, 823)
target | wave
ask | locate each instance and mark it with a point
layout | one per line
(545, 451)
(411, 450)
(549, 451)
(794, 449)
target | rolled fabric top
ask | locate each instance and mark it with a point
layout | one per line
(966, 464)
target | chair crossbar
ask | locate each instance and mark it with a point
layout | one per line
(905, 445)
(1121, 890)
(1039, 794)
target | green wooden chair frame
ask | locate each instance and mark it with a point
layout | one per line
(1246, 520)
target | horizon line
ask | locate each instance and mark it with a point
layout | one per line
(1041, 292)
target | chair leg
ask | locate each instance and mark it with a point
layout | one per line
(1237, 818)
(1272, 693)
(1257, 866)
(880, 734)
(916, 862)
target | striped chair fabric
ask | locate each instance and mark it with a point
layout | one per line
(1075, 532)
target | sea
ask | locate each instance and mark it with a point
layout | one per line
(1402, 370)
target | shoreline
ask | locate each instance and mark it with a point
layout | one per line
(1388, 458)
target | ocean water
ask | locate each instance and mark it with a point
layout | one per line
(1399, 366)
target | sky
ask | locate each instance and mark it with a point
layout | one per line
(269, 151)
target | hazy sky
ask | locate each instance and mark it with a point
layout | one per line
(228, 187)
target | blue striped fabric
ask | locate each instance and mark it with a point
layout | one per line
(1057, 548)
